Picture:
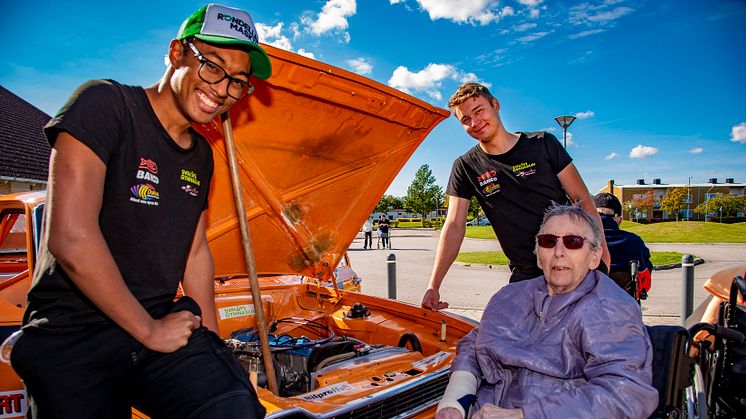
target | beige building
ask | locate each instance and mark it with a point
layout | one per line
(698, 193)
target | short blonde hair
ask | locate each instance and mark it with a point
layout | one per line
(469, 90)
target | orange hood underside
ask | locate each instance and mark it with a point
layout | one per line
(317, 147)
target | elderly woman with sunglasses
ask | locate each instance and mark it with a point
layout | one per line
(570, 343)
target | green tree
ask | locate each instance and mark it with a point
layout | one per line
(389, 201)
(730, 204)
(674, 201)
(474, 208)
(423, 193)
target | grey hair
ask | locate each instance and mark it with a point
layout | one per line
(577, 215)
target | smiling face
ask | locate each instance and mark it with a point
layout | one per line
(198, 100)
(565, 268)
(478, 115)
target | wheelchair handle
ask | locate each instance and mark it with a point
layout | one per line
(717, 330)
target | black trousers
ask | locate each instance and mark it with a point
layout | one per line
(101, 372)
(368, 239)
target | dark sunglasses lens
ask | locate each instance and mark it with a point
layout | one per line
(573, 242)
(547, 240)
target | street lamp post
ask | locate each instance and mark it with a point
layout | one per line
(564, 121)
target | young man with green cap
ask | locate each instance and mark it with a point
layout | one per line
(125, 227)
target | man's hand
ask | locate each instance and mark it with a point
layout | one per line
(171, 332)
(449, 413)
(490, 411)
(432, 301)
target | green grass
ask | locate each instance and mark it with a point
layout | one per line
(499, 258)
(670, 232)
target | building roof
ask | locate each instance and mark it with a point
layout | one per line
(24, 150)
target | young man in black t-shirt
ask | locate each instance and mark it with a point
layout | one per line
(128, 187)
(514, 176)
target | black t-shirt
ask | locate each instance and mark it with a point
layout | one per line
(154, 194)
(384, 226)
(514, 189)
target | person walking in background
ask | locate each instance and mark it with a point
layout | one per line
(384, 227)
(128, 185)
(515, 178)
(368, 233)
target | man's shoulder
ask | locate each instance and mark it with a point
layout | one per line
(537, 136)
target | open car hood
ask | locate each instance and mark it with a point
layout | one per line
(317, 147)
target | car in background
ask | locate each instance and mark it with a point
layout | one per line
(479, 221)
(317, 147)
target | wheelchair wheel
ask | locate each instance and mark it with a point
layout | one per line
(695, 405)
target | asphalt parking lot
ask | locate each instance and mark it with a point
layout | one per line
(468, 288)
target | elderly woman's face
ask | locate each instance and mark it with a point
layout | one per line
(565, 268)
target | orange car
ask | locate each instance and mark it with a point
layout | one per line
(317, 147)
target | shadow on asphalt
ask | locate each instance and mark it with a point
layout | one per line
(401, 250)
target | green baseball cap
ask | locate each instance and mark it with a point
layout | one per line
(218, 24)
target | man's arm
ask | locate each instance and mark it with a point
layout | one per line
(75, 240)
(451, 237)
(198, 276)
(577, 191)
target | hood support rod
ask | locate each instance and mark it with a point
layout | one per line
(248, 252)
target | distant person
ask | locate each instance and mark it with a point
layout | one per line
(384, 227)
(368, 233)
(624, 246)
(515, 178)
(128, 184)
(568, 344)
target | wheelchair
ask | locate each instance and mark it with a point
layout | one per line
(710, 383)
(630, 281)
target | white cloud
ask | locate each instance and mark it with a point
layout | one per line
(585, 115)
(530, 3)
(333, 17)
(642, 151)
(697, 150)
(396, 1)
(524, 26)
(306, 53)
(360, 66)
(602, 14)
(430, 79)
(549, 129)
(738, 133)
(586, 33)
(272, 35)
(533, 37)
(482, 12)
(611, 156)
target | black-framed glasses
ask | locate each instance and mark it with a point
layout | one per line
(213, 74)
(571, 241)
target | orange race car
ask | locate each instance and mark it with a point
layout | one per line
(317, 147)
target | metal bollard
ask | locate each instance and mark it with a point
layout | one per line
(687, 287)
(391, 262)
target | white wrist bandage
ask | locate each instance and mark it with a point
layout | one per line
(461, 391)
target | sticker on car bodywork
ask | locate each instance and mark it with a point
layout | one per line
(329, 391)
(236, 311)
(13, 404)
(430, 360)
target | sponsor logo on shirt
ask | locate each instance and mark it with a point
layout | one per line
(488, 182)
(144, 192)
(524, 169)
(13, 404)
(191, 187)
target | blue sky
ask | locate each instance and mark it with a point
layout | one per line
(658, 86)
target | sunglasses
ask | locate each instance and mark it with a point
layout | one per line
(571, 241)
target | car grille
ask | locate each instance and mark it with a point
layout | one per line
(397, 404)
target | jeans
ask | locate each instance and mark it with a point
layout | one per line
(368, 239)
(101, 371)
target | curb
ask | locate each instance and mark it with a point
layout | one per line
(675, 265)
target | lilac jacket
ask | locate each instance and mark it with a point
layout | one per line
(584, 354)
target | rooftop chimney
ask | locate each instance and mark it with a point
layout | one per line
(729, 180)
(713, 180)
(656, 181)
(640, 181)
